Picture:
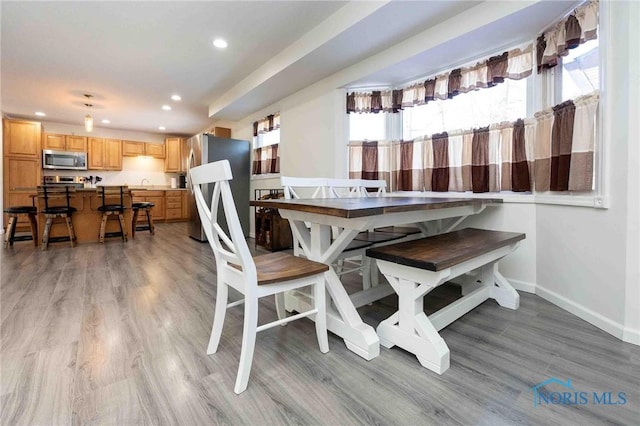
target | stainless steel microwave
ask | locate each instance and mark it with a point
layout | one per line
(64, 160)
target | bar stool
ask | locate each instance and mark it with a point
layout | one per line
(14, 213)
(136, 207)
(57, 192)
(110, 210)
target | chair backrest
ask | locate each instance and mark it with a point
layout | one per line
(111, 192)
(303, 187)
(379, 185)
(230, 249)
(356, 188)
(56, 192)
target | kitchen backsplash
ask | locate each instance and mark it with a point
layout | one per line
(134, 170)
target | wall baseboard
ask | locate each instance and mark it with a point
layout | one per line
(525, 286)
(603, 323)
(631, 335)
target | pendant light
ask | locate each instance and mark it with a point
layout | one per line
(88, 119)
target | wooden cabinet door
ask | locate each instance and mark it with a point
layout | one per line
(76, 143)
(185, 205)
(22, 138)
(52, 141)
(157, 211)
(155, 150)
(113, 154)
(132, 149)
(184, 154)
(96, 154)
(20, 173)
(172, 155)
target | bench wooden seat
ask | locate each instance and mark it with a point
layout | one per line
(414, 268)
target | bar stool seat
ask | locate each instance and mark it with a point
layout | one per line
(14, 212)
(146, 207)
(64, 210)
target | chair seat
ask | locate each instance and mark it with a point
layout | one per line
(142, 205)
(21, 209)
(279, 267)
(378, 237)
(59, 210)
(112, 208)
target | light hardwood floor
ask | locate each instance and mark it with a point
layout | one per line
(117, 334)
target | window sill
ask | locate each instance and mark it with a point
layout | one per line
(565, 199)
(266, 176)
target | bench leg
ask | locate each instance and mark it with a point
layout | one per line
(410, 328)
(502, 291)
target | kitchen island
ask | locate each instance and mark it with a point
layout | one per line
(86, 220)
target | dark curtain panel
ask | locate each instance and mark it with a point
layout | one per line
(274, 166)
(429, 90)
(541, 44)
(561, 141)
(440, 177)
(255, 128)
(572, 32)
(454, 82)
(376, 101)
(396, 100)
(405, 175)
(520, 180)
(480, 160)
(497, 68)
(270, 119)
(370, 160)
(351, 103)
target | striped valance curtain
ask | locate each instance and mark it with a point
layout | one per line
(580, 26)
(553, 151)
(266, 158)
(515, 64)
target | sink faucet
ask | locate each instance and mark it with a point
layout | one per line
(142, 182)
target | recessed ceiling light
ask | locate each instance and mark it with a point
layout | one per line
(176, 97)
(162, 128)
(40, 114)
(166, 107)
(219, 43)
(105, 121)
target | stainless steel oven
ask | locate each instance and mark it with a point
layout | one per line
(64, 160)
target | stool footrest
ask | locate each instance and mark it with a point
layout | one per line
(112, 234)
(59, 239)
(22, 238)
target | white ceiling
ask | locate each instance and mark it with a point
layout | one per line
(132, 56)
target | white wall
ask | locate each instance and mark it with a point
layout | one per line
(583, 259)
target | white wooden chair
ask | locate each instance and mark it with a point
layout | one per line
(266, 275)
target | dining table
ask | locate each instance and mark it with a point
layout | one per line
(312, 222)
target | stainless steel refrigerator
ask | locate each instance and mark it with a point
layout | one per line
(205, 148)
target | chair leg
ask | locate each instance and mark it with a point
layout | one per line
(218, 319)
(103, 226)
(47, 230)
(11, 230)
(280, 309)
(319, 297)
(34, 229)
(133, 223)
(72, 235)
(248, 343)
(123, 227)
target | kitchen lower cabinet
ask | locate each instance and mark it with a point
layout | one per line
(169, 205)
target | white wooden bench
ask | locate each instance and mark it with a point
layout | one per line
(414, 268)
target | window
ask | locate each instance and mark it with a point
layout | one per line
(266, 139)
(504, 102)
(369, 126)
(580, 71)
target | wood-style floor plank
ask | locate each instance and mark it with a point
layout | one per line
(116, 333)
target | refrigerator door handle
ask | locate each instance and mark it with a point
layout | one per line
(190, 161)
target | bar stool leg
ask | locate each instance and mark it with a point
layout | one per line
(72, 235)
(47, 229)
(134, 221)
(34, 229)
(152, 227)
(103, 226)
(123, 227)
(11, 230)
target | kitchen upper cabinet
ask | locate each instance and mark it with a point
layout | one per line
(105, 154)
(20, 173)
(184, 154)
(173, 153)
(22, 138)
(64, 142)
(135, 149)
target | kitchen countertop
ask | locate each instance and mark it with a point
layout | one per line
(132, 188)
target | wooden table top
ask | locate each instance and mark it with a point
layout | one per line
(361, 207)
